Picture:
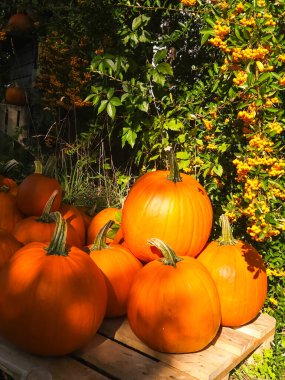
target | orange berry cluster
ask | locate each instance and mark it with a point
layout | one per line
(238, 9)
(261, 143)
(277, 169)
(275, 127)
(207, 124)
(189, 3)
(247, 21)
(240, 54)
(240, 78)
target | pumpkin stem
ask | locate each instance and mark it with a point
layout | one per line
(57, 246)
(100, 240)
(46, 216)
(4, 189)
(91, 211)
(169, 256)
(174, 174)
(38, 167)
(227, 234)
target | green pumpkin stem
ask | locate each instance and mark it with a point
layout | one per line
(227, 234)
(100, 240)
(38, 167)
(169, 256)
(46, 216)
(57, 246)
(174, 174)
(91, 211)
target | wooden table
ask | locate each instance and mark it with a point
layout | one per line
(116, 353)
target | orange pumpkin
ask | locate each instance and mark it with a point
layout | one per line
(119, 267)
(8, 246)
(15, 95)
(99, 220)
(10, 183)
(174, 304)
(170, 206)
(41, 228)
(34, 192)
(20, 22)
(87, 214)
(9, 212)
(53, 298)
(73, 216)
(240, 275)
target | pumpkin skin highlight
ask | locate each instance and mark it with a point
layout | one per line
(240, 276)
(179, 213)
(74, 217)
(34, 192)
(174, 309)
(51, 304)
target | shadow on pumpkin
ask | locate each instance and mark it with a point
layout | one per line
(254, 261)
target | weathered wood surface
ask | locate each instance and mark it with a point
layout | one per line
(116, 353)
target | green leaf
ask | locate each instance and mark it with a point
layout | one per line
(205, 38)
(263, 77)
(218, 170)
(115, 101)
(158, 78)
(173, 125)
(164, 68)
(160, 55)
(110, 93)
(138, 21)
(129, 136)
(102, 106)
(111, 110)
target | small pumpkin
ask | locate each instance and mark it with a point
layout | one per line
(15, 95)
(53, 298)
(171, 206)
(8, 246)
(41, 228)
(20, 22)
(100, 219)
(240, 276)
(10, 215)
(34, 192)
(119, 267)
(174, 305)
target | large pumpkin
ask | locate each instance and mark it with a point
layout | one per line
(34, 192)
(240, 276)
(8, 246)
(170, 206)
(52, 299)
(119, 267)
(9, 212)
(174, 305)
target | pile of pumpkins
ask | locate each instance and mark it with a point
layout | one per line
(60, 274)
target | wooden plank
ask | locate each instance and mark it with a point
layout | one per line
(124, 363)
(21, 365)
(228, 349)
